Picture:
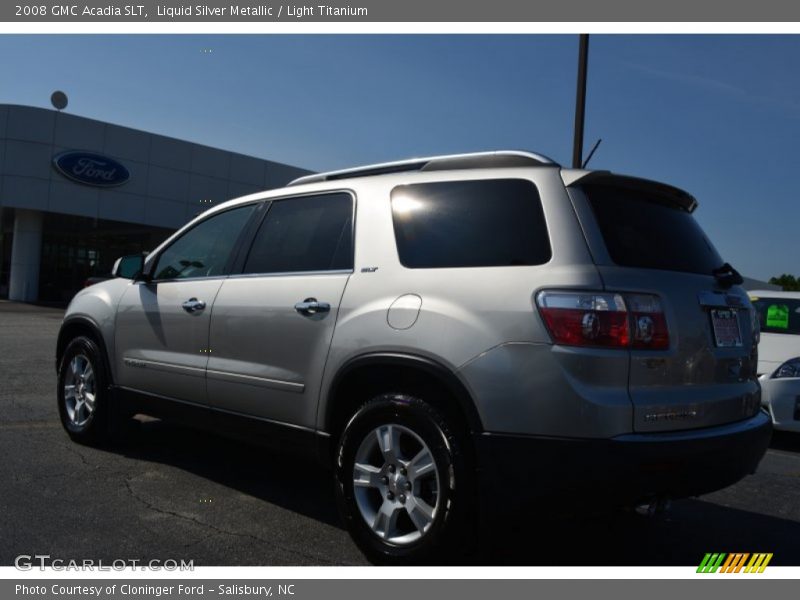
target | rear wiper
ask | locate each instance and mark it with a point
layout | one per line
(727, 276)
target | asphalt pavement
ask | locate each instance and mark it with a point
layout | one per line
(169, 492)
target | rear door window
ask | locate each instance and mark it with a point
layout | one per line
(649, 232)
(479, 223)
(778, 315)
(311, 233)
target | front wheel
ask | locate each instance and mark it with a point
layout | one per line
(403, 488)
(83, 393)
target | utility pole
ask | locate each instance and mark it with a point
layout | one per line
(580, 101)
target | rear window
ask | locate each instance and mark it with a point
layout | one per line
(778, 315)
(650, 233)
(483, 223)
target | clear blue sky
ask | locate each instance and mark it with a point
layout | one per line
(716, 115)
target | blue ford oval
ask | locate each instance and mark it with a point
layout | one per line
(90, 168)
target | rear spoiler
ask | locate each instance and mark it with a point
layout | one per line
(574, 177)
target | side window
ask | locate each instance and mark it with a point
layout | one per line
(474, 223)
(312, 233)
(204, 250)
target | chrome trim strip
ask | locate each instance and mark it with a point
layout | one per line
(181, 280)
(721, 299)
(162, 366)
(292, 274)
(277, 384)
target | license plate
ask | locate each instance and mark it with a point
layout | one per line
(725, 322)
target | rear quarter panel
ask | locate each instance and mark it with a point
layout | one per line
(465, 312)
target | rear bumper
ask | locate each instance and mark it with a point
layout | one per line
(624, 469)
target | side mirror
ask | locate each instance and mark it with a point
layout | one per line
(129, 267)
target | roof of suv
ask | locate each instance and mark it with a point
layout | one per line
(474, 160)
(503, 159)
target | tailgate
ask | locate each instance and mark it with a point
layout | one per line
(644, 239)
(707, 376)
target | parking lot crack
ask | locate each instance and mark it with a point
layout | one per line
(218, 530)
(200, 541)
(71, 449)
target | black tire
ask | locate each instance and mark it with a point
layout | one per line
(102, 422)
(449, 533)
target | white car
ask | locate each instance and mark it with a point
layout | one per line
(779, 356)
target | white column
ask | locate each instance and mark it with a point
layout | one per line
(26, 252)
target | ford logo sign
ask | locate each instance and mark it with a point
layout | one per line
(91, 169)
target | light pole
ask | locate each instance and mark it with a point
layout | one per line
(580, 101)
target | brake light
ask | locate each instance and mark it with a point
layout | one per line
(585, 319)
(649, 324)
(604, 319)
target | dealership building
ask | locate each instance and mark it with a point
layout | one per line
(76, 193)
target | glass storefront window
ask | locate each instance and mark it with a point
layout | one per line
(77, 251)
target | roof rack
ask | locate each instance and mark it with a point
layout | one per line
(474, 160)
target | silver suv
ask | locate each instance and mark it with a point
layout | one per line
(436, 329)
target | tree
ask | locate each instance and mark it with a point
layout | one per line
(789, 283)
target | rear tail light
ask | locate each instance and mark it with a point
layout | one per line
(649, 325)
(604, 319)
(585, 319)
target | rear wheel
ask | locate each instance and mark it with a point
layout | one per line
(402, 484)
(83, 393)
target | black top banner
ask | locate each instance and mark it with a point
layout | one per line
(406, 11)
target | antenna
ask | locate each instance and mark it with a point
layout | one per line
(591, 154)
(59, 100)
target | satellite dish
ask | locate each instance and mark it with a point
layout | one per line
(59, 100)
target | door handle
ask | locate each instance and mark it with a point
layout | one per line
(310, 307)
(193, 305)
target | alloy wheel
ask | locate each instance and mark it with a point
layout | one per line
(79, 390)
(396, 484)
